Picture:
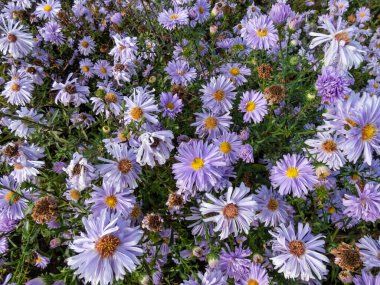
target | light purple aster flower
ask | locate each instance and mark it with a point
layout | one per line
(80, 171)
(366, 205)
(367, 279)
(202, 10)
(293, 174)
(211, 277)
(198, 165)
(272, 208)
(125, 49)
(14, 38)
(180, 72)
(124, 170)
(254, 106)
(280, 12)
(246, 153)
(52, 32)
(236, 72)
(235, 264)
(333, 84)
(172, 18)
(48, 9)
(86, 68)
(7, 224)
(41, 261)
(260, 33)
(108, 101)
(211, 125)
(298, 254)
(86, 45)
(107, 248)
(232, 214)
(257, 275)
(18, 91)
(21, 128)
(363, 15)
(218, 95)
(229, 145)
(112, 200)
(103, 69)
(171, 104)
(71, 92)
(369, 251)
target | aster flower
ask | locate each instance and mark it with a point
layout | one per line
(171, 104)
(123, 172)
(125, 49)
(257, 275)
(363, 15)
(123, 72)
(112, 200)
(106, 249)
(18, 91)
(246, 153)
(155, 146)
(7, 224)
(197, 166)
(41, 261)
(210, 277)
(22, 128)
(272, 208)
(218, 95)
(48, 9)
(141, 105)
(52, 32)
(236, 72)
(293, 174)
(260, 33)
(107, 101)
(229, 145)
(71, 92)
(280, 12)
(366, 205)
(340, 46)
(14, 38)
(327, 149)
(332, 85)
(235, 264)
(198, 226)
(202, 10)
(369, 250)
(211, 125)
(12, 203)
(86, 45)
(103, 69)
(299, 254)
(254, 106)
(35, 73)
(80, 171)
(180, 72)
(366, 279)
(172, 18)
(232, 214)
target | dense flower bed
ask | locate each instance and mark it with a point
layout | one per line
(189, 142)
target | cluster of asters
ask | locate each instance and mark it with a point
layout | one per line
(142, 85)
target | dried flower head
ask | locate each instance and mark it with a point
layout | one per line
(45, 210)
(347, 257)
(264, 71)
(152, 222)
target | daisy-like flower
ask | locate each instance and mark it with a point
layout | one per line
(12, 204)
(366, 279)
(369, 251)
(80, 171)
(257, 275)
(109, 198)
(155, 146)
(229, 145)
(366, 205)
(172, 18)
(41, 261)
(122, 173)
(86, 68)
(299, 255)
(107, 248)
(14, 38)
(211, 277)
(48, 9)
(52, 33)
(326, 148)
(198, 165)
(293, 174)
(272, 207)
(340, 47)
(71, 92)
(236, 72)
(103, 69)
(171, 104)
(280, 12)
(235, 264)
(254, 106)
(141, 105)
(218, 95)
(260, 33)
(363, 15)
(22, 128)
(86, 45)
(18, 91)
(107, 101)
(202, 10)
(232, 214)
(211, 125)
(180, 72)
(125, 49)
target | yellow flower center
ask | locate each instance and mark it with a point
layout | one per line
(292, 172)
(170, 106)
(15, 87)
(136, 113)
(111, 201)
(103, 70)
(351, 122)
(11, 198)
(329, 146)
(362, 14)
(38, 260)
(368, 132)
(110, 98)
(252, 282)
(262, 32)
(343, 36)
(210, 123)
(272, 204)
(75, 194)
(219, 95)
(107, 245)
(197, 163)
(250, 106)
(48, 8)
(225, 147)
(174, 17)
(85, 68)
(235, 71)
(201, 10)
(331, 210)
(375, 85)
